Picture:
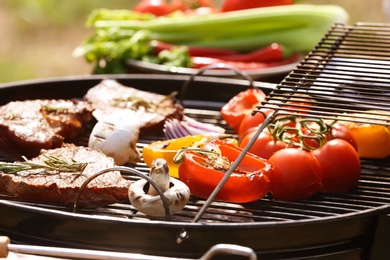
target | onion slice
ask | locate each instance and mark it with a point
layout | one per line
(174, 128)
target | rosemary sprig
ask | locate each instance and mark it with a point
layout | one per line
(52, 163)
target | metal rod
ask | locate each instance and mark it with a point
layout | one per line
(210, 199)
(6, 247)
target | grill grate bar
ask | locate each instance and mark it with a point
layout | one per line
(347, 72)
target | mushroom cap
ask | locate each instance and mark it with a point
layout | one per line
(177, 197)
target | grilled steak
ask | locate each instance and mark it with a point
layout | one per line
(28, 126)
(60, 187)
(153, 109)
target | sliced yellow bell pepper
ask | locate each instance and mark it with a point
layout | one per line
(373, 140)
(167, 149)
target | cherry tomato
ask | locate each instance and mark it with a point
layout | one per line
(234, 111)
(340, 164)
(338, 131)
(299, 102)
(250, 122)
(156, 7)
(264, 146)
(233, 5)
(189, 5)
(343, 132)
(201, 11)
(297, 174)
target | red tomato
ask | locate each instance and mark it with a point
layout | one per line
(250, 122)
(299, 102)
(201, 11)
(264, 146)
(234, 111)
(340, 164)
(156, 7)
(343, 132)
(233, 5)
(339, 131)
(188, 5)
(297, 174)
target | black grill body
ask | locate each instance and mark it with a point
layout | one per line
(346, 72)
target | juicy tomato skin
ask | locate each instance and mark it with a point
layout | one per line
(297, 175)
(251, 122)
(340, 164)
(339, 131)
(156, 7)
(234, 5)
(234, 111)
(264, 146)
(343, 132)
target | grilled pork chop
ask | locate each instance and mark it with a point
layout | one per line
(28, 126)
(60, 187)
(152, 109)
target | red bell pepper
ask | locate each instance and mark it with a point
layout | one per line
(234, 111)
(203, 171)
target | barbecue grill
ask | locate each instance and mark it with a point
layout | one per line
(348, 71)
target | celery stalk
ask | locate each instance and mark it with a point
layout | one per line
(297, 40)
(284, 16)
(123, 34)
(241, 30)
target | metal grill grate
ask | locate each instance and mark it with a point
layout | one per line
(347, 72)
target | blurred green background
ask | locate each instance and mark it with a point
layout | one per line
(37, 37)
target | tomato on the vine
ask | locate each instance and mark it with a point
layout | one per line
(340, 164)
(251, 122)
(264, 146)
(297, 174)
(338, 131)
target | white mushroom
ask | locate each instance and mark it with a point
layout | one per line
(116, 136)
(145, 198)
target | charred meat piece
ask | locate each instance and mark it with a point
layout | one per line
(151, 108)
(60, 187)
(28, 126)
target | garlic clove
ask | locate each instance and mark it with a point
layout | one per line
(117, 136)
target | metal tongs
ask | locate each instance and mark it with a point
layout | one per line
(72, 253)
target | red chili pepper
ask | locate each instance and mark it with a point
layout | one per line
(202, 173)
(200, 62)
(234, 5)
(273, 52)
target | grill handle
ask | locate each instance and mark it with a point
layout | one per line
(211, 67)
(6, 247)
